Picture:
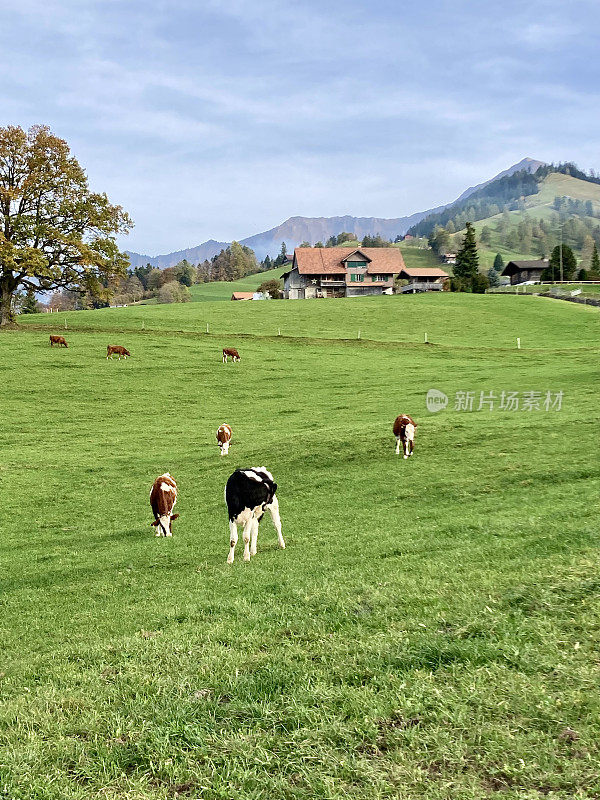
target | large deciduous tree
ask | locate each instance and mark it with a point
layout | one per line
(54, 232)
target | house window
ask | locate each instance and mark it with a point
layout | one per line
(357, 264)
(380, 278)
(356, 277)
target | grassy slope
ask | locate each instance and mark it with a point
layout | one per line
(537, 206)
(222, 290)
(448, 319)
(432, 627)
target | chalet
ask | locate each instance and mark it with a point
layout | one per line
(342, 272)
(522, 271)
(423, 279)
(242, 295)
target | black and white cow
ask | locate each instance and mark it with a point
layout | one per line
(248, 494)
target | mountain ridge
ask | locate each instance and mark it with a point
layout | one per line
(297, 229)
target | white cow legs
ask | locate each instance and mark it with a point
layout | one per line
(397, 445)
(254, 536)
(274, 512)
(246, 534)
(233, 537)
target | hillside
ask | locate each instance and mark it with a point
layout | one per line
(222, 290)
(538, 206)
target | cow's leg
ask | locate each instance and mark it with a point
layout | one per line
(397, 445)
(246, 534)
(254, 537)
(273, 509)
(233, 537)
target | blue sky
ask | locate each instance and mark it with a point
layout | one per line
(221, 119)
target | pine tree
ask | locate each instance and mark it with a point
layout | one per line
(30, 305)
(467, 258)
(595, 262)
(498, 263)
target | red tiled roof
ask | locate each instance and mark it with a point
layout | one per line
(242, 295)
(328, 260)
(425, 272)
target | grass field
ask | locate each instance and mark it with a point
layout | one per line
(222, 290)
(431, 629)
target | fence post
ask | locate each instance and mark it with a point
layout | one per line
(358, 337)
(65, 323)
(207, 327)
(518, 343)
(426, 340)
(278, 331)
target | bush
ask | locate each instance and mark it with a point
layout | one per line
(173, 292)
(480, 283)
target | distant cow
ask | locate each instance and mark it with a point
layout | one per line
(224, 434)
(59, 340)
(404, 431)
(116, 349)
(248, 494)
(231, 351)
(163, 497)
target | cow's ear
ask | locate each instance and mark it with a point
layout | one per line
(274, 488)
(174, 516)
(154, 524)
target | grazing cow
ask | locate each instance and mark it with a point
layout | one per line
(116, 349)
(248, 494)
(163, 497)
(224, 434)
(59, 340)
(231, 351)
(404, 431)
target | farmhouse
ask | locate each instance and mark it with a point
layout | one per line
(521, 271)
(342, 272)
(423, 279)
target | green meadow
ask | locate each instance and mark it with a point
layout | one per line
(432, 628)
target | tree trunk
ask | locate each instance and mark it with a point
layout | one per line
(6, 296)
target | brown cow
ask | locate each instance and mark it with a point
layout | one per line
(224, 434)
(116, 349)
(231, 351)
(59, 340)
(404, 431)
(163, 497)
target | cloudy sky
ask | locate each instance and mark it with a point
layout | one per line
(220, 119)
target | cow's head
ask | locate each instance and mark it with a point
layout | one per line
(163, 524)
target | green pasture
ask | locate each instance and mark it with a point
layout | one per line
(431, 629)
(222, 290)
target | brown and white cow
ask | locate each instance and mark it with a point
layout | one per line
(59, 340)
(116, 349)
(224, 434)
(404, 431)
(231, 351)
(163, 497)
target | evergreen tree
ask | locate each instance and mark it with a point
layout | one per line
(30, 304)
(569, 264)
(595, 262)
(498, 263)
(467, 258)
(486, 235)
(493, 277)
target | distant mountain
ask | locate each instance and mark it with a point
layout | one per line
(193, 254)
(313, 229)
(526, 164)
